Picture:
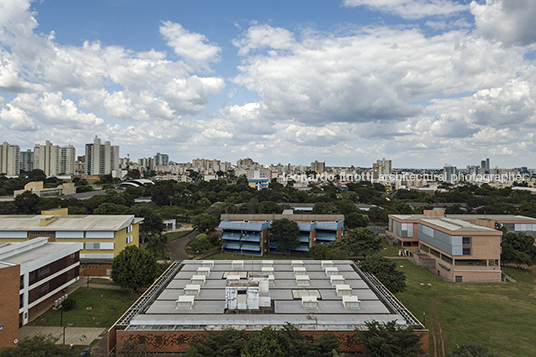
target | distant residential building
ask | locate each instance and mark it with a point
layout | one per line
(449, 172)
(54, 160)
(26, 160)
(161, 159)
(247, 164)
(318, 166)
(67, 160)
(146, 163)
(101, 159)
(381, 168)
(9, 159)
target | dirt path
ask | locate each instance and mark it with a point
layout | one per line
(177, 248)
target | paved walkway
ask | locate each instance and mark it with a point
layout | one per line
(177, 248)
(73, 335)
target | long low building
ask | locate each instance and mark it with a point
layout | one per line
(101, 237)
(33, 273)
(250, 233)
(317, 297)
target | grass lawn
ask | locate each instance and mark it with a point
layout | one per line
(387, 250)
(175, 235)
(501, 316)
(106, 307)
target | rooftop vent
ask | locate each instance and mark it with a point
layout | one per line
(191, 289)
(336, 279)
(343, 289)
(208, 263)
(309, 302)
(185, 302)
(327, 264)
(351, 302)
(198, 280)
(331, 271)
(302, 280)
(203, 271)
(267, 263)
(238, 264)
(299, 271)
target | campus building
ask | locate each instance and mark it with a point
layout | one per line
(33, 273)
(250, 233)
(403, 227)
(317, 297)
(458, 248)
(101, 237)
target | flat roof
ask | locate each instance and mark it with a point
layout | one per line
(456, 225)
(468, 217)
(208, 310)
(66, 222)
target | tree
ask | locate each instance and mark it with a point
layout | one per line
(389, 340)
(355, 219)
(205, 222)
(518, 248)
(385, 271)
(134, 267)
(285, 233)
(152, 222)
(324, 252)
(361, 242)
(468, 350)
(263, 343)
(110, 209)
(26, 202)
(133, 174)
(37, 175)
(200, 244)
(226, 343)
(38, 346)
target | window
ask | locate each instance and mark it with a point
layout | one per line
(129, 229)
(459, 279)
(466, 251)
(466, 240)
(129, 239)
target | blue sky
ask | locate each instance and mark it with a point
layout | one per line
(422, 82)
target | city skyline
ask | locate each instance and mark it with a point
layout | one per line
(421, 82)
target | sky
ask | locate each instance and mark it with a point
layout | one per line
(421, 82)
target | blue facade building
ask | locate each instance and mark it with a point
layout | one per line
(250, 234)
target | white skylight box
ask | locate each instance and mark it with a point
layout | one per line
(351, 302)
(185, 302)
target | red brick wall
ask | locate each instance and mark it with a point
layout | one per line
(9, 302)
(178, 341)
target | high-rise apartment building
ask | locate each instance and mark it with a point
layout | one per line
(101, 159)
(449, 172)
(54, 160)
(318, 166)
(9, 159)
(27, 160)
(161, 159)
(67, 160)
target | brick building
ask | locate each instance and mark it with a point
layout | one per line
(33, 273)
